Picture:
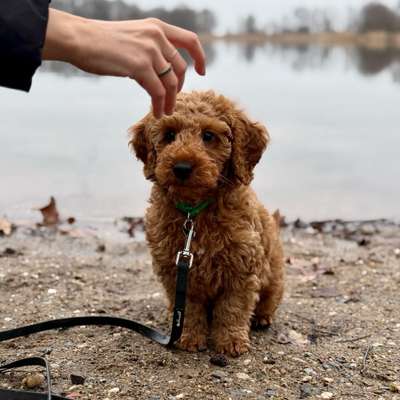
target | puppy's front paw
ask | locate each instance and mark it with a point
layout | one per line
(232, 346)
(193, 342)
(259, 322)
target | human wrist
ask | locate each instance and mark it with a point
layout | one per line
(64, 36)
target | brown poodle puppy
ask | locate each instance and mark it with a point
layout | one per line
(206, 151)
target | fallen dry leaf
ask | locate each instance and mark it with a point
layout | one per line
(50, 213)
(6, 227)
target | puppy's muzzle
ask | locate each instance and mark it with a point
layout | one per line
(182, 170)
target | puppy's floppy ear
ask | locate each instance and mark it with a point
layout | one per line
(250, 139)
(143, 148)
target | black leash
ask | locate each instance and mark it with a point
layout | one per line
(184, 262)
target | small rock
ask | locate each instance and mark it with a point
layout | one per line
(101, 248)
(219, 374)
(307, 378)
(33, 380)
(310, 371)
(51, 291)
(77, 379)
(397, 252)
(282, 339)
(180, 396)
(8, 251)
(306, 390)
(363, 242)
(243, 376)
(270, 393)
(268, 360)
(219, 359)
(326, 395)
(113, 390)
(328, 380)
(247, 362)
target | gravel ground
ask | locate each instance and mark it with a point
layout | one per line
(337, 333)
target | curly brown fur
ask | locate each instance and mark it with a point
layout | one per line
(237, 274)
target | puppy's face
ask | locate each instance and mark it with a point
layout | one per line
(206, 143)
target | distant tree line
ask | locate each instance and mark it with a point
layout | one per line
(203, 21)
(373, 16)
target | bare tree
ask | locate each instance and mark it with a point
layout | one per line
(199, 21)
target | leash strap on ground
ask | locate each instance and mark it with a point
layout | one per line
(183, 266)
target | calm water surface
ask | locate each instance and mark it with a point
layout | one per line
(333, 116)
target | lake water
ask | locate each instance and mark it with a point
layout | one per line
(333, 115)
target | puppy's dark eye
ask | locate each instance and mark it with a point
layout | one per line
(169, 136)
(208, 136)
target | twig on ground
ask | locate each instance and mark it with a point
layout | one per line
(364, 364)
(353, 339)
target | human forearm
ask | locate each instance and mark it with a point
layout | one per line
(63, 36)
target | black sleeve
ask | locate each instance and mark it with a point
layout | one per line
(23, 26)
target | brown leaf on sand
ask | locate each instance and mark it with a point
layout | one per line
(5, 227)
(50, 213)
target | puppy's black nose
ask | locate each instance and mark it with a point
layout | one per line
(182, 170)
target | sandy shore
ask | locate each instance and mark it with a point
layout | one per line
(337, 333)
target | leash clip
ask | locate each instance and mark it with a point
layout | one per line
(188, 228)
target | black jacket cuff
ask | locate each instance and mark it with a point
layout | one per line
(23, 25)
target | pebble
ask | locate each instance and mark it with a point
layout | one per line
(219, 359)
(310, 371)
(268, 360)
(247, 362)
(306, 390)
(113, 390)
(77, 379)
(219, 374)
(270, 393)
(33, 380)
(243, 376)
(326, 395)
(307, 378)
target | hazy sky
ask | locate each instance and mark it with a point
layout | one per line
(230, 12)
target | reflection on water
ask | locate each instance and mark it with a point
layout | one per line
(300, 56)
(335, 133)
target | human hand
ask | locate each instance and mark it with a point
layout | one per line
(139, 49)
